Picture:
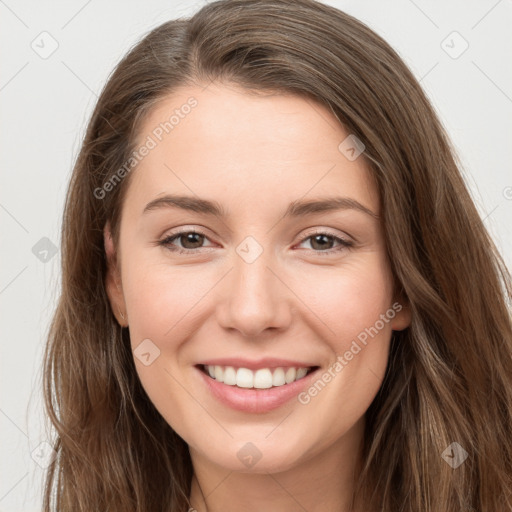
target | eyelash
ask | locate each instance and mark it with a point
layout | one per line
(344, 244)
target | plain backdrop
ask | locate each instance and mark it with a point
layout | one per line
(56, 57)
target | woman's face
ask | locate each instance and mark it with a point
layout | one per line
(287, 272)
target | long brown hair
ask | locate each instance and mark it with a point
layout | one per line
(449, 376)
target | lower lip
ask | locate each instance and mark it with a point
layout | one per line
(255, 400)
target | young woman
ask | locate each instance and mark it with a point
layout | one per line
(277, 293)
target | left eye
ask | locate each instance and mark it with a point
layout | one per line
(321, 240)
(192, 241)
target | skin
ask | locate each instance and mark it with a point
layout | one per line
(255, 154)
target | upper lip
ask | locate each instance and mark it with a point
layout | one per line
(267, 362)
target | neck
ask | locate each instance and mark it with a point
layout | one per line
(316, 482)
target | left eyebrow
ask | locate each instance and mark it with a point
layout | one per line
(302, 208)
(297, 208)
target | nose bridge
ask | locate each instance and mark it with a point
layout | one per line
(256, 299)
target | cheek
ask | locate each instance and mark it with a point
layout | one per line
(160, 300)
(351, 299)
(162, 303)
(357, 308)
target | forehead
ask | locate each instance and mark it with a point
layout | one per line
(245, 149)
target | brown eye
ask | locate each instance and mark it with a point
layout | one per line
(325, 243)
(186, 242)
(190, 240)
(322, 242)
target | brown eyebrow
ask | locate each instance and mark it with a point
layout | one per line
(297, 208)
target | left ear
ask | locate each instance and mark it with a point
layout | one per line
(403, 315)
(113, 284)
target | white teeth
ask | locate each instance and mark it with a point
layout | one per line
(244, 378)
(263, 378)
(301, 372)
(290, 375)
(230, 376)
(278, 377)
(219, 374)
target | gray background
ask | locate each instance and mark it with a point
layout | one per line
(47, 99)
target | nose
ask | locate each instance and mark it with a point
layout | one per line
(257, 299)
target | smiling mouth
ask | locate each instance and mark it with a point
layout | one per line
(263, 378)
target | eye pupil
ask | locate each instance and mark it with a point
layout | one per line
(192, 238)
(321, 241)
